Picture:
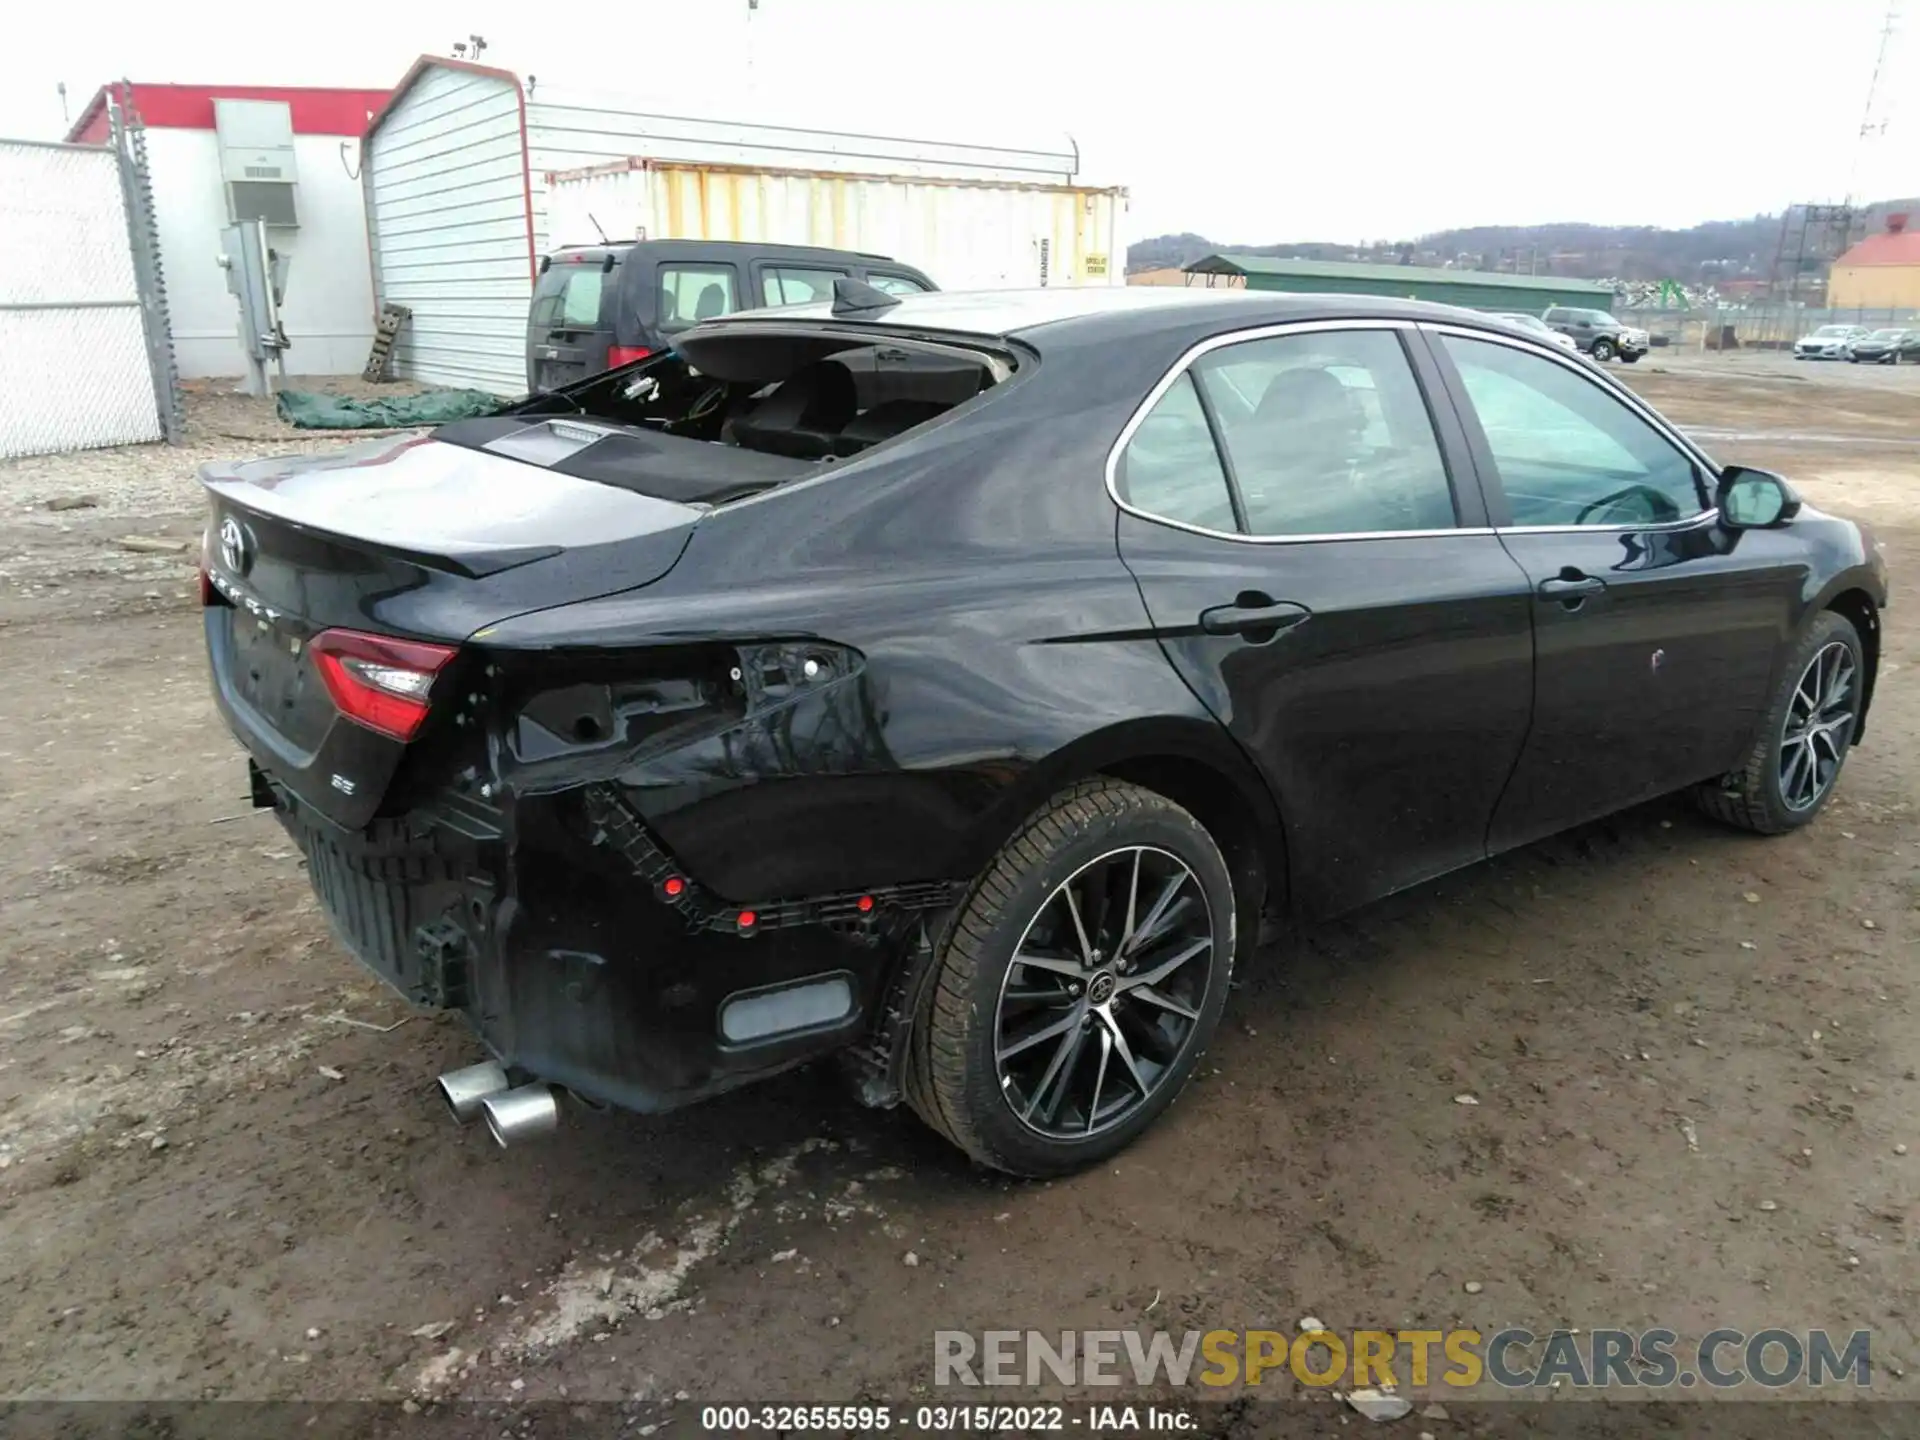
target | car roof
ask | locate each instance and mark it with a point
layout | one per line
(1005, 313)
(727, 249)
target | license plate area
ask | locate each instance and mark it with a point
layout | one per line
(272, 674)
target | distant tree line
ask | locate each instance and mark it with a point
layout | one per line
(1716, 250)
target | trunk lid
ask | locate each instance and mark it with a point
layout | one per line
(414, 539)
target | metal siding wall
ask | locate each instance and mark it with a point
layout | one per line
(966, 236)
(1468, 295)
(571, 130)
(1877, 287)
(447, 201)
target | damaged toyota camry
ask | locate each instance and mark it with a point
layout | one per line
(953, 684)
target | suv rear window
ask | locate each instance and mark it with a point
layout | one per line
(567, 296)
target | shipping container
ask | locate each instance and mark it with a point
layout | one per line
(966, 234)
(455, 171)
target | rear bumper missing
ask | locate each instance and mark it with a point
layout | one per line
(546, 931)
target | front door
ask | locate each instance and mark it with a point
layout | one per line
(1314, 572)
(1656, 631)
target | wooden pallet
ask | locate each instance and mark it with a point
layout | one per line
(392, 317)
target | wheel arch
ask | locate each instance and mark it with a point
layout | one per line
(1194, 764)
(1857, 606)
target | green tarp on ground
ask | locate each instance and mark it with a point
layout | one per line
(308, 411)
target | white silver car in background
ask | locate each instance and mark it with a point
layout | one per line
(1538, 329)
(1829, 342)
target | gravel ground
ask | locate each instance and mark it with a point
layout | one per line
(223, 1172)
(66, 517)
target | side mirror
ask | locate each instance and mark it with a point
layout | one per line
(1755, 499)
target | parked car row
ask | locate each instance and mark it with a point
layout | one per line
(1887, 346)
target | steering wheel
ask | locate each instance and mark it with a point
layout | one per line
(1657, 504)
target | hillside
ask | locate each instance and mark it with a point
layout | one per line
(1718, 250)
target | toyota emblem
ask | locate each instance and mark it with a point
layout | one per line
(236, 547)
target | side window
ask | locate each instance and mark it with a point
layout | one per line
(1559, 317)
(547, 290)
(896, 285)
(1170, 467)
(691, 293)
(580, 304)
(1327, 434)
(797, 287)
(1566, 451)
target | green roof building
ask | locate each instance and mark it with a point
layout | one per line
(1474, 289)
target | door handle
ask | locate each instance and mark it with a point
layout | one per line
(1250, 615)
(1571, 588)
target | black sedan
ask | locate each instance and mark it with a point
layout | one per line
(953, 683)
(1886, 347)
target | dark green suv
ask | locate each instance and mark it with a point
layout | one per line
(598, 306)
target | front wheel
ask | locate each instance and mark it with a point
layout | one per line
(1632, 359)
(1602, 350)
(1790, 773)
(1078, 985)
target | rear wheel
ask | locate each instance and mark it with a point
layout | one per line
(1790, 773)
(1079, 984)
(1602, 350)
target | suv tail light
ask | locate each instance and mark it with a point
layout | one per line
(379, 682)
(618, 355)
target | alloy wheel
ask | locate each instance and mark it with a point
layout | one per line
(1818, 727)
(1104, 992)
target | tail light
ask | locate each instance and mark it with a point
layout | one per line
(618, 355)
(379, 682)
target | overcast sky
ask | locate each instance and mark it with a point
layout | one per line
(1244, 121)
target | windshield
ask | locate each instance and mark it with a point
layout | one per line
(1886, 334)
(1833, 330)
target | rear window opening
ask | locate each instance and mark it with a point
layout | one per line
(732, 412)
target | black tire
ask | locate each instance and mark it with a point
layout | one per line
(958, 1087)
(1630, 358)
(1602, 350)
(1753, 797)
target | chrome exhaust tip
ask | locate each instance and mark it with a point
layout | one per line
(516, 1116)
(463, 1090)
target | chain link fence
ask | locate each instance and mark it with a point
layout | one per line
(1755, 326)
(86, 356)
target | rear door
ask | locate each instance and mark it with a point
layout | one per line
(1656, 631)
(1313, 551)
(571, 323)
(889, 283)
(685, 292)
(780, 283)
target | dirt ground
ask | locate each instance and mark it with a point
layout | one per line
(223, 1172)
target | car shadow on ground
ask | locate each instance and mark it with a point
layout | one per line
(1475, 921)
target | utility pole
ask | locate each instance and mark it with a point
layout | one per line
(1873, 120)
